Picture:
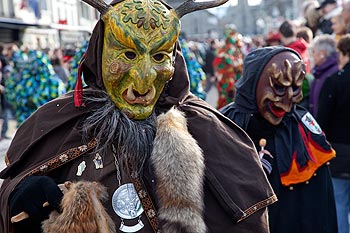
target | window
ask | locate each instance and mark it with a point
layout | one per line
(1, 8)
(43, 5)
(85, 10)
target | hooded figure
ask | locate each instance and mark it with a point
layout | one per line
(228, 65)
(33, 83)
(169, 161)
(292, 147)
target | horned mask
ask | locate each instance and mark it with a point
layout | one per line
(138, 50)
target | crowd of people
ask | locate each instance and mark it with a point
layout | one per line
(32, 77)
(128, 112)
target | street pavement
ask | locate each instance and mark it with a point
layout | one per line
(212, 96)
(5, 143)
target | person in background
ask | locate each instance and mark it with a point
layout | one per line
(228, 65)
(288, 31)
(10, 52)
(306, 33)
(3, 59)
(293, 150)
(328, 9)
(346, 14)
(311, 15)
(208, 66)
(32, 83)
(258, 41)
(273, 39)
(59, 69)
(338, 26)
(195, 71)
(2, 90)
(5, 111)
(333, 116)
(73, 66)
(325, 59)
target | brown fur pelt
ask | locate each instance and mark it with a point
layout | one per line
(179, 168)
(82, 211)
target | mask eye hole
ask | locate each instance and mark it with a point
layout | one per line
(296, 90)
(159, 57)
(130, 55)
(279, 89)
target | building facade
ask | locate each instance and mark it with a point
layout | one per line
(263, 17)
(46, 23)
(54, 23)
(250, 19)
(199, 25)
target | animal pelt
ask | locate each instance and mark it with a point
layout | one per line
(179, 168)
(82, 210)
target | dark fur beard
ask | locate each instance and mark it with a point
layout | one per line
(132, 139)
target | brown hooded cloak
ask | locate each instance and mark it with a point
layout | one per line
(235, 189)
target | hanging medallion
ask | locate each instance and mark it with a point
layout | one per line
(127, 205)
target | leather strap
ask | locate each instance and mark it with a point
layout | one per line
(62, 159)
(146, 202)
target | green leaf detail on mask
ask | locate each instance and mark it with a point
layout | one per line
(146, 14)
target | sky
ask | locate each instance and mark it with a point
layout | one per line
(221, 10)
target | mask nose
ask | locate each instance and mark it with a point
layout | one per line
(287, 99)
(143, 76)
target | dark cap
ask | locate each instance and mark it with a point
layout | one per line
(273, 37)
(324, 3)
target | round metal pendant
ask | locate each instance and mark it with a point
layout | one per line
(125, 202)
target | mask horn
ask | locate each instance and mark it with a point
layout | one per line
(191, 6)
(99, 5)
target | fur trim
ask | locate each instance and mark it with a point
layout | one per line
(82, 210)
(179, 167)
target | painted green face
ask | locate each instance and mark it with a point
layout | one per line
(137, 55)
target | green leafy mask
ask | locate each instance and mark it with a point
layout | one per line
(137, 54)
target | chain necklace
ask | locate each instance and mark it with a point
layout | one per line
(117, 165)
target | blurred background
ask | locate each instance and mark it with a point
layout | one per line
(58, 23)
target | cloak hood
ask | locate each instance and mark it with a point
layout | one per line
(299, 45)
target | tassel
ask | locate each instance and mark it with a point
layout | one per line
(78, 90)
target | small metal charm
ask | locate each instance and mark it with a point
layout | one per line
(98, 161)
(81, 168)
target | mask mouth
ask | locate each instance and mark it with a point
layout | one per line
(132, 96)
(276, 111)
